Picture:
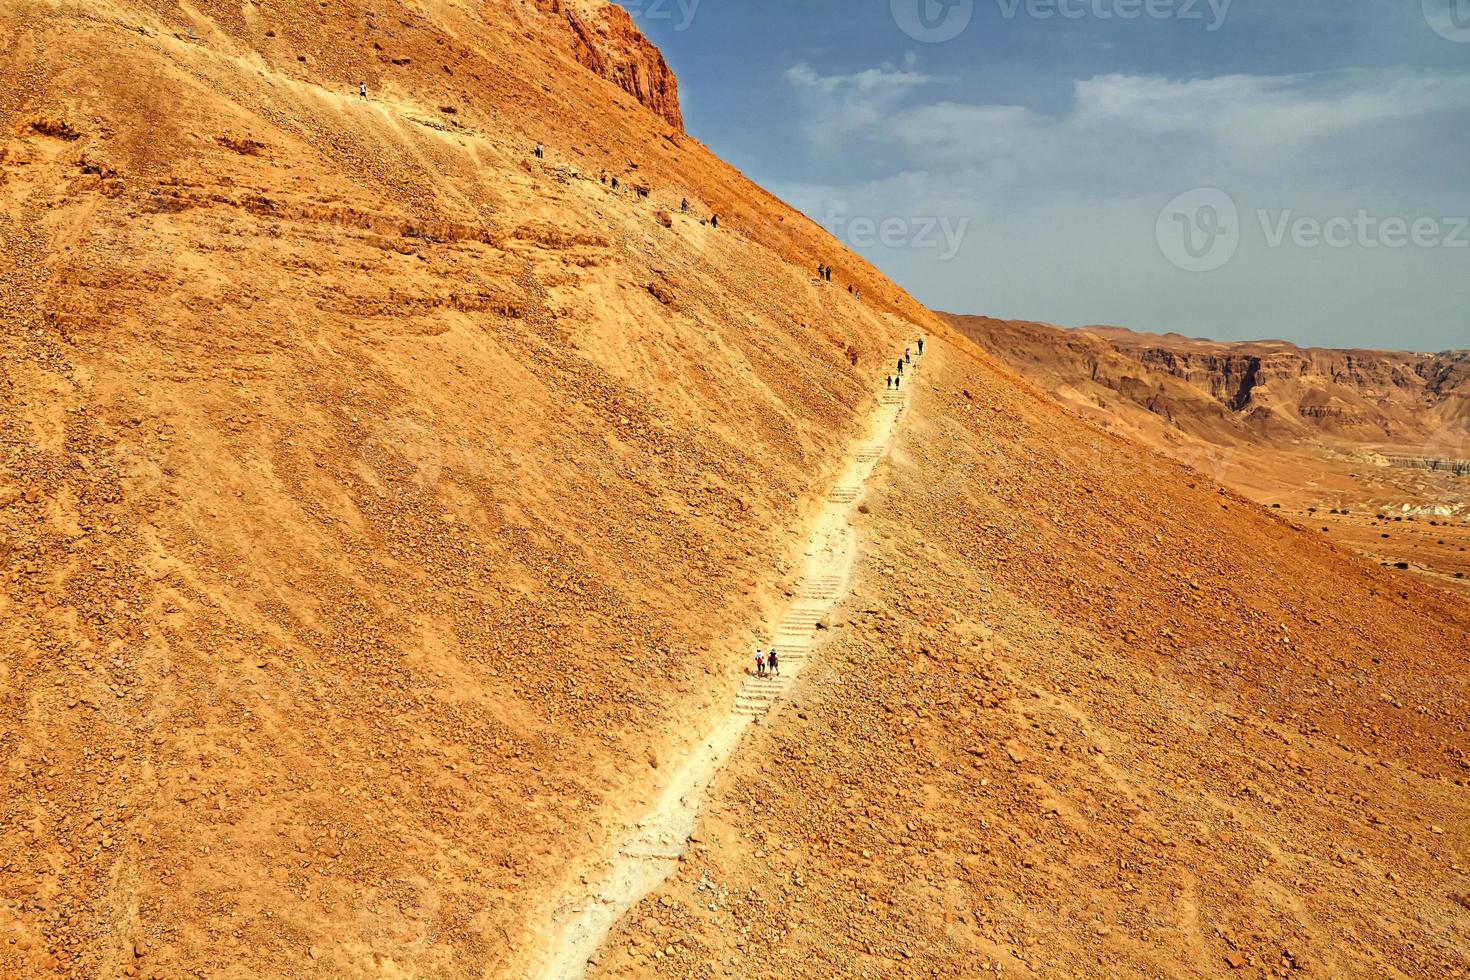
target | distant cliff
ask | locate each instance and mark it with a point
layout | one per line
(1227, 391)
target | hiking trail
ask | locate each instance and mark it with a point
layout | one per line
(580, 918)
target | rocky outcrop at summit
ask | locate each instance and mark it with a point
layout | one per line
(606, 42)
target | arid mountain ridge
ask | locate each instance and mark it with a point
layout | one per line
(1263, 389)
(388, 513)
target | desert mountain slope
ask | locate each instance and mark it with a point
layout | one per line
(1369, 447)
(1087, 714)
(385, 512)
(382, 504)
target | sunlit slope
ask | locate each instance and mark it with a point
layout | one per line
(381, 504)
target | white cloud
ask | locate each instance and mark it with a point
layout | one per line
(840, 106)
(1063, 205)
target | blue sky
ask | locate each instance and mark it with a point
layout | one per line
(1235, 169)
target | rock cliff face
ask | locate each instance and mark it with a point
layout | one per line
(1267, 389)
(1459, 467)
(605, 41)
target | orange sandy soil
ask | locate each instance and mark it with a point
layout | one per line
(381, 509)
(1088, 723)
(378, 505)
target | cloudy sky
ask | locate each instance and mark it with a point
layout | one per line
(1234, 169)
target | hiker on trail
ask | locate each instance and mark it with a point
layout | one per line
(921, 346)
(362, 89)
(774, 662)
(907, 355)
(614, 183)
(849, 289)
(900, 367)
(684, 205)
(821, 272)
(888, 381)
(540, 151)
(829, 273)
(714, 221)
(858, 292)
(760, 664)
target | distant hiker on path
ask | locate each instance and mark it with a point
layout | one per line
(362, 89)
(760, 664)
(774, 662)
(888, 381)
(684, 205)
(900, 367)
(714, 221)
(907, 355)
(540, 151)
(921, 346)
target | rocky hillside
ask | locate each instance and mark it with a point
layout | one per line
(1088, 714)
(1271, 390)
(385, 510)
(381, 506)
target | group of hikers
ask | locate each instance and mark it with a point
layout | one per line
(539, 152)
(896, 380)
(767, 664)
(824, 274)
(638, 190)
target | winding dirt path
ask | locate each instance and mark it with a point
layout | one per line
(579, 919)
